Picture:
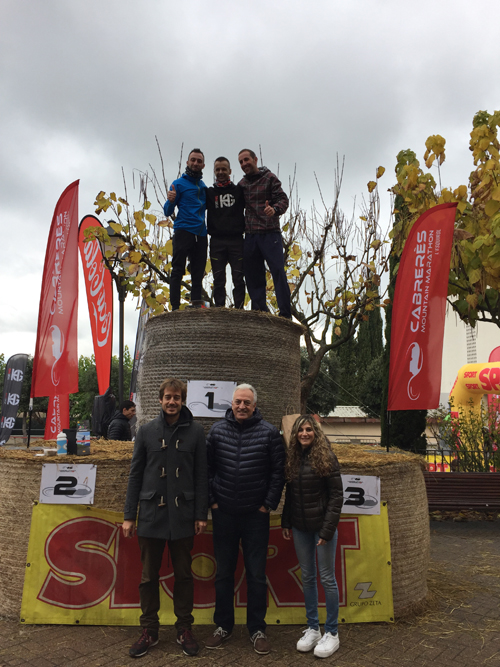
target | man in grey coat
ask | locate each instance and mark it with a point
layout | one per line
(168, 477)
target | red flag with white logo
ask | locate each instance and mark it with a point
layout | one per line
(55, 366)
(99, 287)
(57, 416)
(418, 313)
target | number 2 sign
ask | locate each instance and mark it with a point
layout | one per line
(67, 484)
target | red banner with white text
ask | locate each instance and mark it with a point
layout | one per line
(57, 416)
(418, 312)
(55, 366)
(99, 287)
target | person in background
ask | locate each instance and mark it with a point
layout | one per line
(313, 502)
(226, 224)
(119, 426)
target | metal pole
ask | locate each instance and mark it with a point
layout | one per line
(29, 423)
(388, 430)
(121, 296)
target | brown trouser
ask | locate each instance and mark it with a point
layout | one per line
(149, 588)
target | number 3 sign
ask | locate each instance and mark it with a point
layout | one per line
(67, 484)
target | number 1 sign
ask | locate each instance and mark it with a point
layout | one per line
(206, 398)
(67, 484)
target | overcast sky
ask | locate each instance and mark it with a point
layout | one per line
(86, 85)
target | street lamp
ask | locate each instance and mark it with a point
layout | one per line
(115, 264)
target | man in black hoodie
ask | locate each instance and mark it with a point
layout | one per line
(226, 224)
(119, 426)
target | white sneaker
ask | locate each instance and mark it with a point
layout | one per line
(327, 645)
(309, 639)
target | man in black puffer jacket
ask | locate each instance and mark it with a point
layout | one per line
(119, 426)
(246, 477)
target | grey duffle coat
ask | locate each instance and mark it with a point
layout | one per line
(168, 478)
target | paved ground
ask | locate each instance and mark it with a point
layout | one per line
(460, 628)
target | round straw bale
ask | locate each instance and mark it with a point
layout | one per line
(402, 486)
(220, 344)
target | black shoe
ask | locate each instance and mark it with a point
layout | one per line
(188, 642)
(143, 644)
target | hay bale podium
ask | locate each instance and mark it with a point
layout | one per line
(239, 346)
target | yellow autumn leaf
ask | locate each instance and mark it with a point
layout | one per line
(496, 193)
(371, 185)
(165, 223)
(430, 160)
(338, 331)
(471, 300)
(474, 276)
(168, 247)
(380, 172)
(135, 256)
(491, 207)
(140, 225)
(116, 227)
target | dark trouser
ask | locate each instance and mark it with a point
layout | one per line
(149, 588)
(223, 250)
(269, 248)
(253, 530)
(187, 245)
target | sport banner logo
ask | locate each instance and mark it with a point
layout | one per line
(12, 387)
(419, 310)
(99, 286)
(80, 569)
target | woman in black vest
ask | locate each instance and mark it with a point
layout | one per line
(313, 503)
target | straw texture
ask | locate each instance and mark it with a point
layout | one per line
(402, 486)
(20, 475)
(223, 345)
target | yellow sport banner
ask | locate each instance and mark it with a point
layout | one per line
(80, 569)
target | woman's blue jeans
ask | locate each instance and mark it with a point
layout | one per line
(306, 549)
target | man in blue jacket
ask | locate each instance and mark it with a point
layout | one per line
(245, 477)
(168, 480)
(188, 193)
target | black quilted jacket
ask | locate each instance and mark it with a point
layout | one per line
(314, 503)
(245, 464)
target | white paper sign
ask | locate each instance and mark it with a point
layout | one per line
(68, 484)
(209, 399)
(361, 494)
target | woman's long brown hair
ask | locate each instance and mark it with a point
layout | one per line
(320, 455)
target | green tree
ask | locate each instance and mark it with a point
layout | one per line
(81, 404)
(371, 385)
(323, 397)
